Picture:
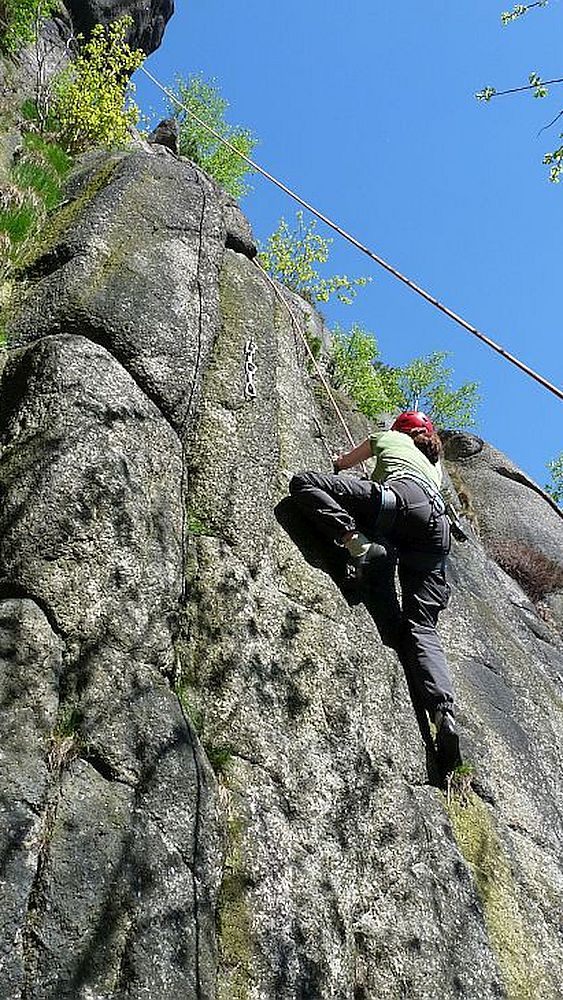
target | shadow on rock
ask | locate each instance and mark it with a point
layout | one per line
(378, 595)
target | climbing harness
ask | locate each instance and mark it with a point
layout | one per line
(388, 510)
(360, 246)
(439, 506)
(249, 369)
(436, 499)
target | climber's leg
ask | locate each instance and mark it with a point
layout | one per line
(337, 505)
(424, 594)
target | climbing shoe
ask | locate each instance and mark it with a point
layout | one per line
(447, 740)
(361, 568)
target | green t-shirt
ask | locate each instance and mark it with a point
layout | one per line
(397, 454)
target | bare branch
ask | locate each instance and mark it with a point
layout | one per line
(488, 92)
(557, 117)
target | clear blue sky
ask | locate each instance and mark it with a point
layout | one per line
(368, 111)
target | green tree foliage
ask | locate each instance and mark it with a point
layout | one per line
(555, 487)
(376, 388)
(203, 99)
(292, 256)
(19, 21)
(92, 104)
(357, 369)
(426, 384)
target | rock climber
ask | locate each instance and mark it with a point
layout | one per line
(397, 515)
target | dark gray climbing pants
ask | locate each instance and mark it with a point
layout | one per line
(420, 535)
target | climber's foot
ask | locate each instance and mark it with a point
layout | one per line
(447, 740)
(364, 566)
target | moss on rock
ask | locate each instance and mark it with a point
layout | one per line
(65, 216)
(511, 941)
(233, 922)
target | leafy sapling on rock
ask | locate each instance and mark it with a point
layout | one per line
(92, 102)
(203, 99)
(293, 256)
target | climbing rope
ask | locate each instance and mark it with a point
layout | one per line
(360, 246)
(314, 363)
(312, 358)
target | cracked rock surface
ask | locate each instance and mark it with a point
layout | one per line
(214, 785)
(123, 865)
(345, 877)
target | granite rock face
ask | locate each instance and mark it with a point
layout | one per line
(215, 784)
(525, 514)
(127, 841)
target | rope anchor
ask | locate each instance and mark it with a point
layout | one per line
(249, 369)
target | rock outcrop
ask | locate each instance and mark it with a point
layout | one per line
(149, 18)
(214, 782)
(526, 514)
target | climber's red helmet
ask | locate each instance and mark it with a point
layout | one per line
(412, 420)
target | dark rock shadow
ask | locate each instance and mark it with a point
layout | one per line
(379, 597)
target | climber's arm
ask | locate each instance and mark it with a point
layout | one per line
(360, 453)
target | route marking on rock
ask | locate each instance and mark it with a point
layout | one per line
(249, 369)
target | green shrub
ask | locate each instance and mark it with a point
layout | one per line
(203, 99)
(19, 20)
(292, 257)
(91, 99)
(88, 109)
